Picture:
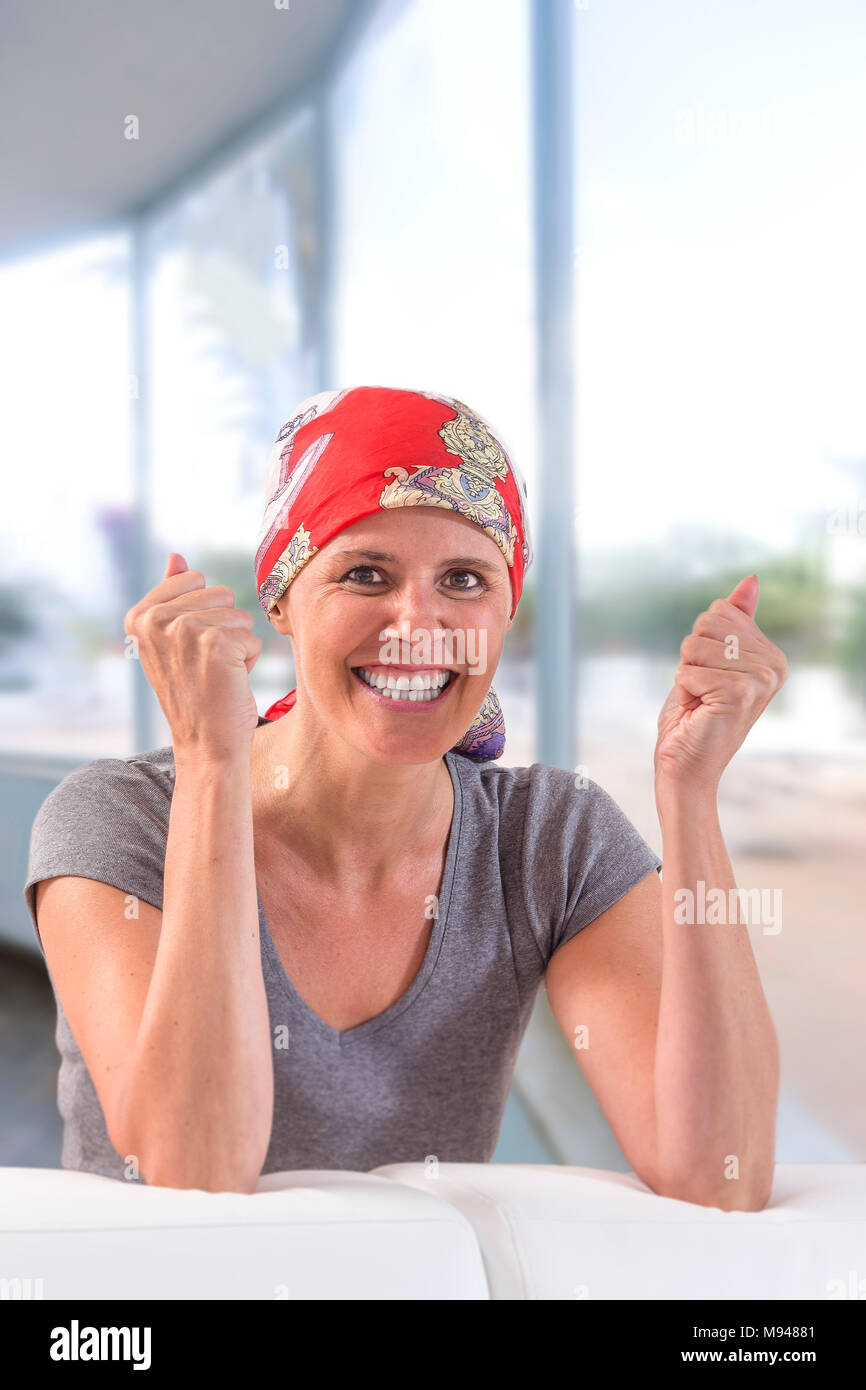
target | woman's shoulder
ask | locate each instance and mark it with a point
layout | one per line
(105, 820)
(567, 850)
(551, 813)
(142, 779)
(539, 789)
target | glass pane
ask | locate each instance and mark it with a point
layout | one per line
(232, 272)
(433, 283)
(720, 306)
(65, 368)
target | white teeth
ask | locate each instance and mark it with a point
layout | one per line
(423, 687)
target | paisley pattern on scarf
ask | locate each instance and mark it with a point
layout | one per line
(293, 558)
(470, 490)
(484, 740)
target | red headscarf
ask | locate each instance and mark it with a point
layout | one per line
(345, 455)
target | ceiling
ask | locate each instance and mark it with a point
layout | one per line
(195, 73)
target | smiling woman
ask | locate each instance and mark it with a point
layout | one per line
(420, 616)
(314, 938)
(329, 471)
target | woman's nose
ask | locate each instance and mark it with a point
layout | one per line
(418, 605)
(429, 631)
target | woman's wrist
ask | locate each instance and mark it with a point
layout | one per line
(210, 764)
(678, 800)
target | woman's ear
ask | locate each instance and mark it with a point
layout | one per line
(278, 618)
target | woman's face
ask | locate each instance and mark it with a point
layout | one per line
(416, 597)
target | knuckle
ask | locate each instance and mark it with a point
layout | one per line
(768, 678)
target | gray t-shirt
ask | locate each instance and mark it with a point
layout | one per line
(531, 859)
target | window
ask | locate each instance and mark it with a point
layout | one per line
(64, 340)
(233, 269)
(721, 297)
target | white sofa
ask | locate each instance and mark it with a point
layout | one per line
(468, 1231)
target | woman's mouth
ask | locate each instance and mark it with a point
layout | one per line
(401, 688)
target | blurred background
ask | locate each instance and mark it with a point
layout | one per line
(628, 232)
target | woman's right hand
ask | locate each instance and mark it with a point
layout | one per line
(197, 651)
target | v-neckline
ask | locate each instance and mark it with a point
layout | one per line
(431, 955)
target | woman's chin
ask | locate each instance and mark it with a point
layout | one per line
(406, 750)
(414, 743)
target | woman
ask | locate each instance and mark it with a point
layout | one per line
(314, 939)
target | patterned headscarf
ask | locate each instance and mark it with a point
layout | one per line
(345, 455)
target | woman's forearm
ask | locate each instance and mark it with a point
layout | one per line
(198, 1103)
(717, 1056)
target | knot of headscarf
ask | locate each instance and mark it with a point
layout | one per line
(344, 455)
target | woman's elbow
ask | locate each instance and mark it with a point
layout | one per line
(184, 1172)
(734, 1195)
(192, 1166)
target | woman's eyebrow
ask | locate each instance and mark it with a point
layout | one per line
(464, 561)
(365, 555)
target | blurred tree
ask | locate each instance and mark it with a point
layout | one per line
(649, 602)
(234, 568)
(519, 643)
(852, 646)
(16, 624)
(15, 620)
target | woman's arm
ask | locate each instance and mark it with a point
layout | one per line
(197, 1103)
(168, 1009)
(717, 1056)
(682, 1054)
(672, 1035)
(716, 1075)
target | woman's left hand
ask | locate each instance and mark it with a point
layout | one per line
(728, 674)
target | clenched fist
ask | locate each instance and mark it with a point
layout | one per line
(728, 674)
(197, 651)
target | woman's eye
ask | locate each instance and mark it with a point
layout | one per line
(467, 574)
(360, 569)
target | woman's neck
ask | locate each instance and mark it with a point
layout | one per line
(339, 809)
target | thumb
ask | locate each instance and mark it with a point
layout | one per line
(745, 595)
(176, 565)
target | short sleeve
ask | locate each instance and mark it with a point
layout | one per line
(106, 821)
(581, 854)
